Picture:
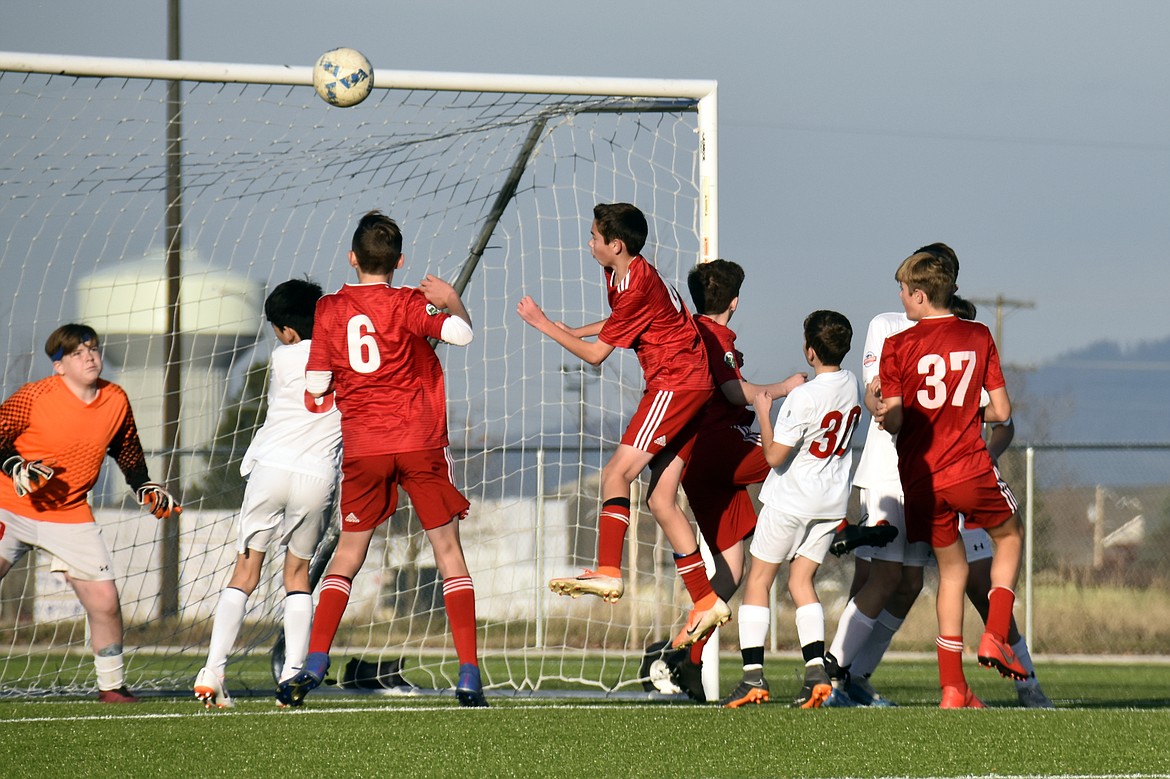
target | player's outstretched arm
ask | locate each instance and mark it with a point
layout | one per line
(592, 352)
(740, 391)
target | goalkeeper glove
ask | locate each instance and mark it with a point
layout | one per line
(27, 477)
(157, 500)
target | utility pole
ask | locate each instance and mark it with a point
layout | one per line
(1001, 303)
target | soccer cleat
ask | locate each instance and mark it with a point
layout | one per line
(700, 623)
(816, 688)
(210, 690)
(863, 694)
(994, 653)
(959, 698)
(1032, 697)
(687, 674)
(120, 695)
(469, 690)
(849, 537)
(746, 692)
(839, 699)
(608, 588)
(292, 692)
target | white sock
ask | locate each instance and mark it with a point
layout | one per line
(853, 630)
(298, 622)
(229, 616)
(867, 658)
(110, 671)
(810, 624)
(753, 625)
(1021, 650)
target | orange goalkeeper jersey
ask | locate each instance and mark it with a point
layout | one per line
(44, 420)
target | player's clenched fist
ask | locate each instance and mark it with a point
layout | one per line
(27, 477)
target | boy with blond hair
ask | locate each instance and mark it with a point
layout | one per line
(931, 375)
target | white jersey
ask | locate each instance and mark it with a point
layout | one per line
(878, 466)
(817, 419)
(292, 437)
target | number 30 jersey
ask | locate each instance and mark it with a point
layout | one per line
(817, 419)
(938, 368)
(388, 380)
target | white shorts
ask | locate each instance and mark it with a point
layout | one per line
(76, 548)
(977, 541)
(292, 507)
(781, 537)
(884, 504)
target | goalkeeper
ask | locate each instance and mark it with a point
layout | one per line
(54, 434)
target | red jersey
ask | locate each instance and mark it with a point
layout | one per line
(44, 420)
(724, 362)
(648, 316)
(388, 380)
(938, 367)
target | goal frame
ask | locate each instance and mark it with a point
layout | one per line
(703, 93)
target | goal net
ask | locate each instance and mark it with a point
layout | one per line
(493, 180)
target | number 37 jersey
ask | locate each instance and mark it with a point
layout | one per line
(817, 420)
(388, 380)
(938, 368)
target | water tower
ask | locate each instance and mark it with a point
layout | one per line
(220, 318)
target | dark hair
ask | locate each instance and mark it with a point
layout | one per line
(829, 334)
(624, 222)
(963, 308)
(377, 243)
(292, 304)
(66, 338)
(714, 285)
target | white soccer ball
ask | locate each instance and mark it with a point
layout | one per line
(343, 77)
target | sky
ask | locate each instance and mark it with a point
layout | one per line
(1030, 136)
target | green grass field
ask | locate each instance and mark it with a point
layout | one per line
(1110, 721)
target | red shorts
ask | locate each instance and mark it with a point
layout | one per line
(369, 489)
(724, 462)
(932, 515)
(667, 418)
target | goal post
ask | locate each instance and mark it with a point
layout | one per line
(493, 179)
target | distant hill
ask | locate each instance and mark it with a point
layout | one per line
(1102, 393)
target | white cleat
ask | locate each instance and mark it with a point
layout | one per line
(700, 623)
(608, 588)
(210, 690)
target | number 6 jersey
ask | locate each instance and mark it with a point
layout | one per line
(938, 368)
(388, 380)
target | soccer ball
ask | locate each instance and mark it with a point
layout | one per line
(343, 77)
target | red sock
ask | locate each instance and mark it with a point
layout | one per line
(950, 661)
(693, 572)
(459, 599)
(697, 649)
(611, 532)
(1000, 602)
(331, 605)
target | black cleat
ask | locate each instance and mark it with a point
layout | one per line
(850, 537)
(687, 674)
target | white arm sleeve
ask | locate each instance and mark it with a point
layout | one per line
(318, 382)
(456, 331)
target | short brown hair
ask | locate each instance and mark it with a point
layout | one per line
(377, 243)
(623, 221)
(66, 338)
(829, 334)
(714, 285)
